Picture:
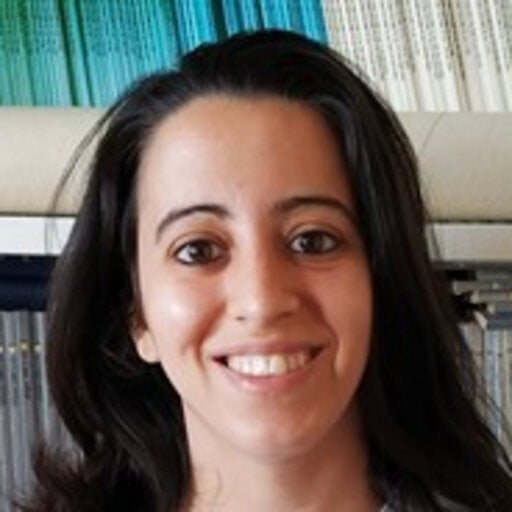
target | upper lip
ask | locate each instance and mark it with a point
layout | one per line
(265, 348)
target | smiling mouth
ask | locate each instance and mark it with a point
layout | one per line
(269, 365)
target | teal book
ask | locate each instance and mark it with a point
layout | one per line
(205, 20)
(16, 53)
(147, 36)
(150, 29)
(36, 56)
(186, 35)
(116, 78)
(95, 51)
(52, 35)
(130, 57)
(121, 44)
(276, 14)
(252, 17)
(166, 33)
(313, 19)
(295, 16)
(5, 89)
(79, 79)
(230, 10)
(271, 14)
(140, 48)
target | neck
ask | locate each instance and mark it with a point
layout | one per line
(331, 476)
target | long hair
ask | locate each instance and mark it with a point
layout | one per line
(429, 448)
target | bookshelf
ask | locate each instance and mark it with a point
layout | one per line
(445, 65)
(422, 55)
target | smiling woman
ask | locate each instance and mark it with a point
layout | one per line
(258, 326)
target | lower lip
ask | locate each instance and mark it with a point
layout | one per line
(269, 384)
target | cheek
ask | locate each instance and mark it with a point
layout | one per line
(178, 315)
(347, 306)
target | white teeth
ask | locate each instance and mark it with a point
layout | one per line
(267, 365)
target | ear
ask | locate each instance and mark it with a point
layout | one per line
(145, 345)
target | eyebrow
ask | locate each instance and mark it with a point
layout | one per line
(288, 205)
(284, 206)
(178, 213)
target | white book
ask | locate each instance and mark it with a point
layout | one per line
(491, 377)
(470, 57)
(474, 338)
(500, 19)
(11, 417)
(22, 418)
(348, 34)
(492, 93)
(404, 55)
(39, 328)
(506, 380)
(362, 39)
(331, 11)
(383, 46)
(5, 474)
(422, 76)
(445, 56)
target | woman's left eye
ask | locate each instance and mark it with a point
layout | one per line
(314, 242)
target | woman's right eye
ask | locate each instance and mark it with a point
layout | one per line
(198, 252)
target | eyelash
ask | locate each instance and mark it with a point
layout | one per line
(200, 243)
(333, 241)
(314, 235)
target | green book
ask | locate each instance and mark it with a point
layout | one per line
(313, 20)
(95, 51)
(51, 51)
(5, 88)
(16, 53)
(251, 14)
(165, 32)
(79, 74)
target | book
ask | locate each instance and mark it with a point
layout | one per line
(16, 55)
(500, 19)
(500, 321)
(78, 71)
(313, 20)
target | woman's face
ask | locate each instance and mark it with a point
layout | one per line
(255, 286)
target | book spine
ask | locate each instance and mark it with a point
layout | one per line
(166, 28)
(500, 14)
(383, 39)
(185, 30)
(252, 15)
(405, 57)
(5, 84)
(493, 100)
(313, 20)
(422, 75)
(205, 20)
(17, 56)
(270, 14)
(471, 56)
(333, 24)
(44, 401)
(26, 416)
(6, 405)
(79, 74)
(444, 69)
(12, 453)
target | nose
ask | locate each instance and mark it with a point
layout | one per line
(263, 288)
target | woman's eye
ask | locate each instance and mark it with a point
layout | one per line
(198, 252)
(314, 242)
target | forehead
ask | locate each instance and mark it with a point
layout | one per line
(220, 144)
